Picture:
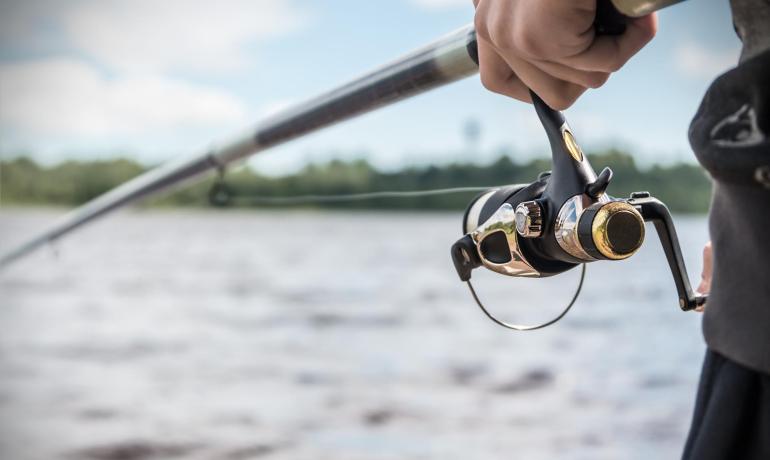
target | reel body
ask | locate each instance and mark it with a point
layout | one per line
(563, 219)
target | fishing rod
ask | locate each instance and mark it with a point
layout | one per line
(560, 221)
(444, 61)
(448, 59)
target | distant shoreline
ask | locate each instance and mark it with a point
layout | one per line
(685, 188)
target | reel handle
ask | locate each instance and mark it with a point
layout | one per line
(653, 210)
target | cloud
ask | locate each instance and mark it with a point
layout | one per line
(442, 4)
(696, 61)
(101, 71)
(151, 35)
(65, 97)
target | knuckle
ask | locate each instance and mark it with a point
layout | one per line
(649, 33)
(596, 79)
(524, 40)
(615, 64)
(489, 81)
(562, 96)
(500, 36)
(482, 30)
(559, 100)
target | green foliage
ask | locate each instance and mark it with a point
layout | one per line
(684, 187)
(22, 181)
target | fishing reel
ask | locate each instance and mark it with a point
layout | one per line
(563, 220)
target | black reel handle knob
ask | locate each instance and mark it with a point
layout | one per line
(611, 231)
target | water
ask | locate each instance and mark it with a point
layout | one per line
(302, 335)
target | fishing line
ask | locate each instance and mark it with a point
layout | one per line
(315, 199)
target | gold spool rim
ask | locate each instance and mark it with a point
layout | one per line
(601, 235)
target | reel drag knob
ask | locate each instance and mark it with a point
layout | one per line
(529, 219)
(613, 230)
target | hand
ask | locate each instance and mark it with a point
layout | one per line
(705, 277)
(550, 46)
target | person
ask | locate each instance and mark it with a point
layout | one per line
(550, 46)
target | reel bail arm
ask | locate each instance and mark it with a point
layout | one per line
(465, 257)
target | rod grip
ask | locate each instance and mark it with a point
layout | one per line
(609, 21)
(612, 15)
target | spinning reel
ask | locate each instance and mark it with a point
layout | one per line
(560, 221)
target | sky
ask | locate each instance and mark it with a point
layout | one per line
(155, 80)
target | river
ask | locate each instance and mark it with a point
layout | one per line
(162, 334)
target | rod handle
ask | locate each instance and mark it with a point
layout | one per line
(609, 21)
(612, 15)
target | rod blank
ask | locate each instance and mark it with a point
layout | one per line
(444, 61)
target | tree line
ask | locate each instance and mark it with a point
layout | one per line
(684, 187)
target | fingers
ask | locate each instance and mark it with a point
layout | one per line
(505, 61)
(550, 46)
(514, 77)
(537, 29)
(497, 76)
(706, 274)
(505, 72)
(708, 262)
(558, 94)
(578, 77)
(609, 53)
(546, 29)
